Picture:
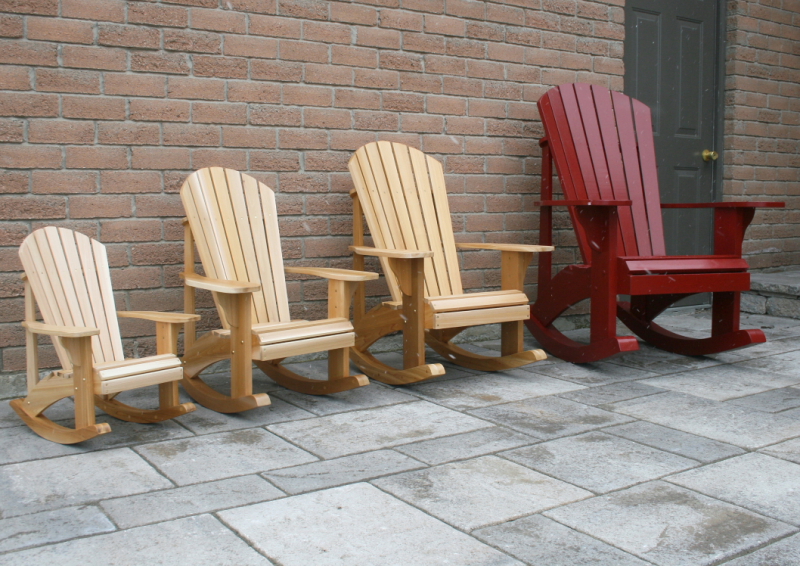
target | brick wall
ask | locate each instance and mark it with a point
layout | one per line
(762, 123)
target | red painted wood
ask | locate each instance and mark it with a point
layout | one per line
(647, 158)
(724, 205)
(684, 283)
(686, 264)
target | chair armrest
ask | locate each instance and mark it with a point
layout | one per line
(333, 273)
(56, 330)
(395, 254)
(521, 248)
(582, 203)
(219, 285)
(171, 317)
(723, 205)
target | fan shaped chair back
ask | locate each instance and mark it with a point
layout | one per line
(403, 197)
(232, 217)
(602, 145)
(69, 276)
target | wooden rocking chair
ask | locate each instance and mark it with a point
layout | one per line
(603, 149)
(401, 193)
(233, 220)
(67, 275)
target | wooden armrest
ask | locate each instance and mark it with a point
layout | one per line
(185, 221)
(582, 203)
(171, 317)
(219, 285)
(723, 205)
(522, 248)
(396, 254)
(63, 331)
(333, 273)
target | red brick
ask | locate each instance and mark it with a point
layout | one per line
(160, 110)
(445, 65)
(354, 56)
(303, 51)
(136, 278)
(157, 15)
(130, 182)
(94, 57)
(444, 25)
(219, 113)
(353, 14)
(304, 9)
(29, 207)
(134, 230)
(422, 123)
(264, 115)
(64, 182)
(218, 20)
(485, 69)
(99, 10)
(60, 131)
(302, 139)
(30, 157)
(327, 247)
(465, 126)
(500, 89)
(369, 78)
(327, 118)
(97, 158)
(192, 41)
(28, 53)
(325, 74)
(62, 31)
(127, 133)
(11, 234)
(42, 7)
(421, 83)
(350, 98)
(13, 182)
(465, 9)
(248, 46)
(366, 120)
(94, 108)
(191, 135)
(271, 26)
(403, 102)
(225, 67)
(135, 85)
(325, 161)
(462, 87)
(160, 158)
(326, 32)
(58, 80)
(483, 30)
(172, 63)
(276, 71)
(401, 61)
(446, 105)
(237, 136)
(487, 108)
(523, 74)
(274, 161)
(159, 253)
(424, 43)
(128, 36)
(12, 131)
(377, 37)
(10, 261)
(100, 206)
(159, 205)
(246, 91)
(189, 87)
(11, 26)
(307, 95)
(230, 158)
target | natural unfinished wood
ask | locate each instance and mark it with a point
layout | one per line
(602, 145)
(401, 193)
(67, 276)
(232, 221)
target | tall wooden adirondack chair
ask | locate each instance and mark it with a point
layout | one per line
(67, 276)
(232, 219)
(401, 193)
(602, 146)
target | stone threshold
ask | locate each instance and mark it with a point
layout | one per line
(776, 294)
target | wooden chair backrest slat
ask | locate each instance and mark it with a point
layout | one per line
(71, 282)
(403, 196)
(234, 222)
(602, 146)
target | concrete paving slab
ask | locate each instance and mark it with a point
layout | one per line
(222, 455)
(669, 525)
(774, 401)
(64, 409)
(723, 382)
(785, 552)
(199, 541)
(604, 394)
(789, 450)
(549, 417)
(480, 492)
(30, 487)
(652, 359)
(373, 395)
(541, 541)
(781, 364)
(740, 481)
(356, 525)
(488, 389)
(724, 422)
(341, 471)
(599, 462)
(168, 504)
(372, 429)
(206, 421)
(52, 526)
(682, 443)
(768, 348)
(594, 374)
(467, 445)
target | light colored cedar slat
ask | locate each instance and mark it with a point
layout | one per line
(320, 328)
(107, 295)
(392, 191)
(458, 319)
(143, 365)
(230, 245)
(111, 386)
(473, 301)
(206, 227)
(299, 347)
(270, 211)
(105, 321)
(382, 198)
(647, 157)
(453, 274)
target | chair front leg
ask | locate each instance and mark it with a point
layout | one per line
(237, 312)
(167, 343)
(339, 296)
(513, 267)
(411, 280)
(80, 352)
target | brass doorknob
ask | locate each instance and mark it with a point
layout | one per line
(709, 155)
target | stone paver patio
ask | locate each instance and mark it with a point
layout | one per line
(650, 458)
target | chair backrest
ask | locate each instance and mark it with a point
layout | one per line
(602, 146)
(403, 196)
(234, 222)
(69, 276)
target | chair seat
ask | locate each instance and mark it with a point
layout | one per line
(284, 339)
(114, 377)
(681, 264)
(453, 311)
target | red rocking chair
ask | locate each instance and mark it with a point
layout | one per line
(602, 146)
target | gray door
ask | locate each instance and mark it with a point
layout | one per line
(672, 64)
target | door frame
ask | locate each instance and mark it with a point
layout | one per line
(719, 123)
